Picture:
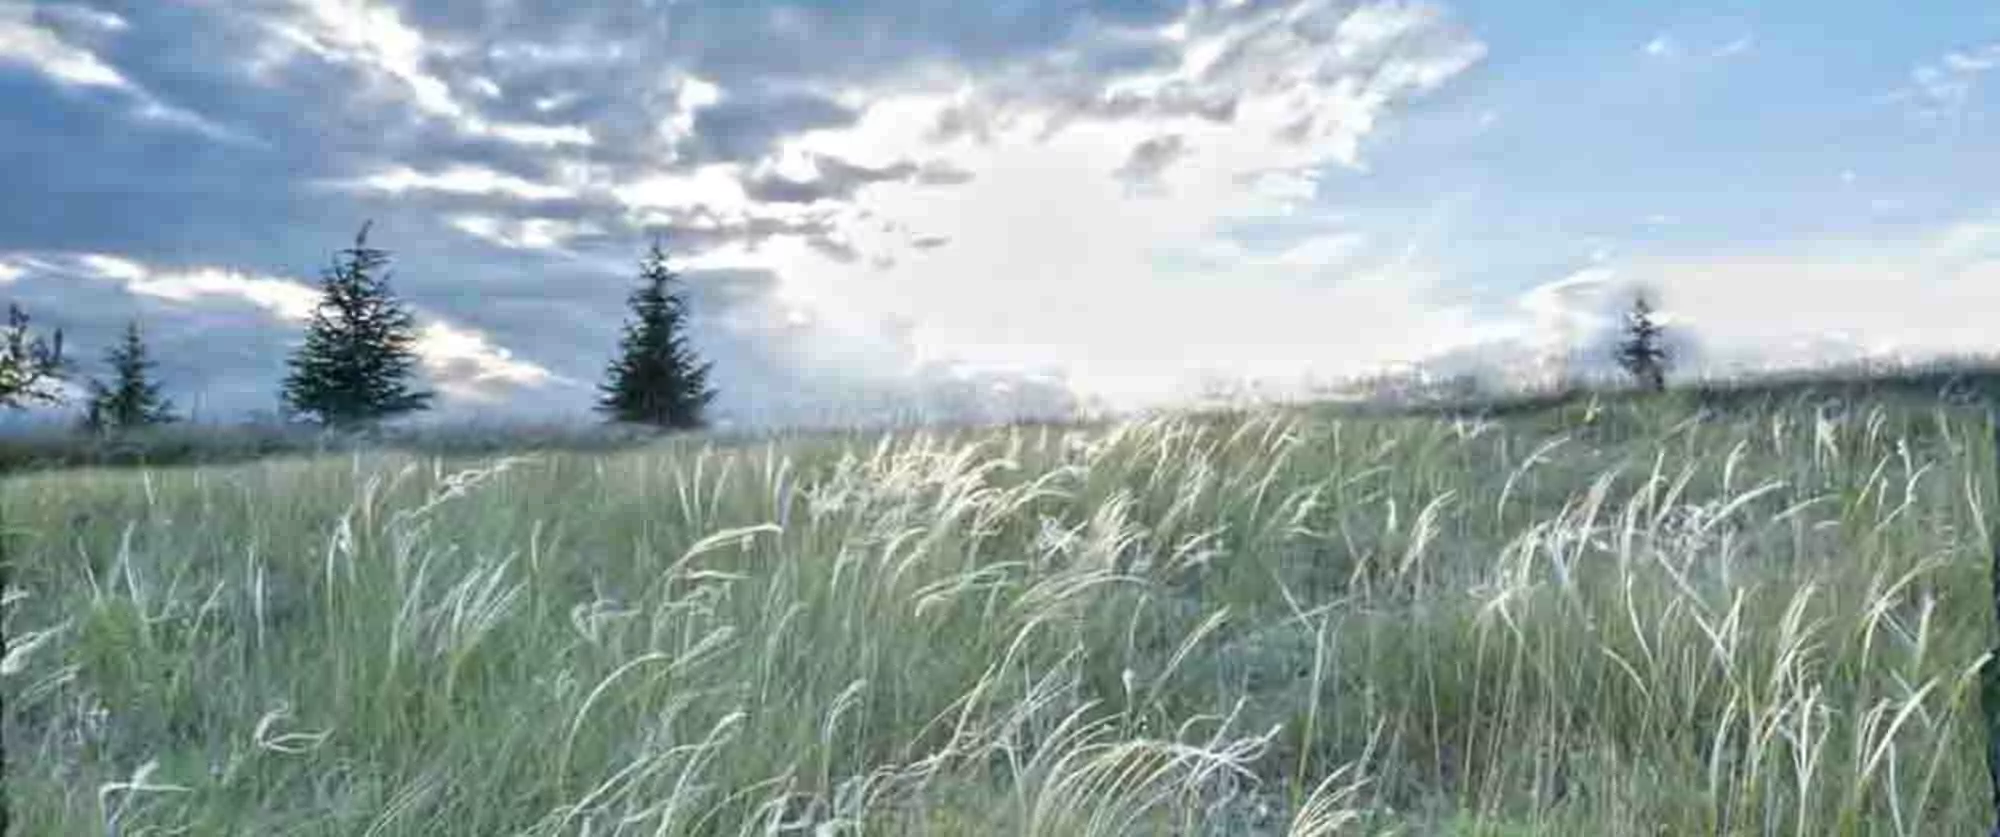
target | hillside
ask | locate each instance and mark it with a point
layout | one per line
(1954, 382)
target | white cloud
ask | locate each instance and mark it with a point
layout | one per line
(691, 93)
(1806, 303)
(285, 298)
(1323, 252)
(523, 133)
(23, 42)
(530, 54)
(83, 17)
(1216, 253)
(1559, 318)
(457, 179)
(523, 233)
(1944, 87)
(717, 187)
(544, 104)
(1097, 294)
(288, 300)
(465, 364)
(374, 36)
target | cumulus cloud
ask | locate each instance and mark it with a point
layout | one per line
(941, 204)
(873, 207)
(879, 211)
(466, 366)
(1233, 116)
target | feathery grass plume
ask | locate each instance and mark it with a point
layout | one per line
(1271, 623)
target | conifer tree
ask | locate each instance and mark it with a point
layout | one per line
(30, 366)
(359, 355)
(1643, 352)
(131, 398)
(657, 378)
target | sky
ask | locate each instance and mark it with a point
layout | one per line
(962, 209)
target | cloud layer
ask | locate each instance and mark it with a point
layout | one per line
(882, 206)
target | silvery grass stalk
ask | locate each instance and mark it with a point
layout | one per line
(1609, 620)
(1991, 704)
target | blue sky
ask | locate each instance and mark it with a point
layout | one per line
(914, 204)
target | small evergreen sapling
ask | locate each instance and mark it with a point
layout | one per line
(131, 399)
(657, 379)
(1643, 352)
(359, 355)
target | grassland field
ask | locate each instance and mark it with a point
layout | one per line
(1630, 618)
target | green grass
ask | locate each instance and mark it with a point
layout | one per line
(1958, 380)
(1620, 620)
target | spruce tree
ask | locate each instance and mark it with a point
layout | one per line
(30, 366)
(656, 378)
(359, 354)
(1643, 352)
(131, 398)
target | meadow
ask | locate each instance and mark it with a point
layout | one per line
(1631, 618)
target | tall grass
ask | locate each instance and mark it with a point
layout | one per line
(1625, 620)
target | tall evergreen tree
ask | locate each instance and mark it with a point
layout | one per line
(131, 398)
(657, 378)
(30, 366)
(1643, 352)
(359, 354)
